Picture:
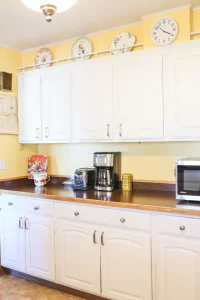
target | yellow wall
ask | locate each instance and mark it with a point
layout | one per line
(16, 159)
(147, 161)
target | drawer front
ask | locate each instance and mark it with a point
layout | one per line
(40, 207)
(13, 203)
(183, 227)
(105, 216)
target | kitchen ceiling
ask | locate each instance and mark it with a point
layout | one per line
(22, 28)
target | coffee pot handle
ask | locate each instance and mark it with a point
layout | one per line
(48, 179)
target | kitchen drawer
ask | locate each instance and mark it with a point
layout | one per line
(183, 227)
(13, 203)
(105, 216)
(39, 206)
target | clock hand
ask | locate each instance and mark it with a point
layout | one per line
(164, 30)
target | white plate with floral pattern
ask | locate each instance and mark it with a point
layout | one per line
(122, 43)
(44, 55)
(81, 48)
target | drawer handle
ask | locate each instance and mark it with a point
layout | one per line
(122, 220)
(182, 227)
(10, 203)
(76, 213)
(36, 207)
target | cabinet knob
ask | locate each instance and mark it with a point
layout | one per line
(10, 203)
(36, 207)
(182, 227)
(122, 220)
(76, 213)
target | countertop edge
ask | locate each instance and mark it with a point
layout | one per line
(150, 208)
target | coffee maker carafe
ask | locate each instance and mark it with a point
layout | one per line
(108, 170)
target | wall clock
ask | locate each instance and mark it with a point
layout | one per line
(44, 55)
(122, 43)
(82, 46)
(164, 31)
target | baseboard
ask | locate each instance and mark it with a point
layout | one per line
(53, 285)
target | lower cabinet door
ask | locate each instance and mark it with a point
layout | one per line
(78, 256)
(40, 254)
(126, 265)
(13, 241)
(177, 268)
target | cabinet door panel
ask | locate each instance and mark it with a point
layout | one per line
(13, 241)
(78, 257)
(29, 107)
(56, 114)
(182, 92)
(138, 97)
(126, 265)
(92, 109)
(40, 256)
(177, 268)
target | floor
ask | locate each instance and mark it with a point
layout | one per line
(12, 288)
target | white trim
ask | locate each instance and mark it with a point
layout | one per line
(73, 57)
(166, 11)
(87, 35)
(195, 33)
(9, 47)
(195, 8)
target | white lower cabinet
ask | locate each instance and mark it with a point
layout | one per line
(78, 256)
(126, 265)
(177, 259)
(40, 254)
(13, 241)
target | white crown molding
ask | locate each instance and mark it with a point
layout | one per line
(166, 11)
(76, 37)
(9, 47)
(195, 8)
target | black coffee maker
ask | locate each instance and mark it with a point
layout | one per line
(107, 170)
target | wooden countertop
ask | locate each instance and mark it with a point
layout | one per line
(156, 201)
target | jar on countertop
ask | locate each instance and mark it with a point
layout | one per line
(127, 181)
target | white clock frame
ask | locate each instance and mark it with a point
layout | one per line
(168, 41)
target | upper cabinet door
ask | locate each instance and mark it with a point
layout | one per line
(138, 96)
(29, 107)
(92, 108)
(56, 122)
(182, 92)
(126, 265)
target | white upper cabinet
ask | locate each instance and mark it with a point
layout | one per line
(56, 121)
(182, 92)
(138, 96)
(29, 107)
(92, 106)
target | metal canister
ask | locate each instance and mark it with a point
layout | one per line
(127, 181)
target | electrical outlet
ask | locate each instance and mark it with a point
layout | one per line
(2, 164)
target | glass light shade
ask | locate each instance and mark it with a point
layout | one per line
(61, 5)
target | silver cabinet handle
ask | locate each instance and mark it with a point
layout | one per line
(26, 224)
(10, 203)
(108, 130)
(36, 207)
(102, 239)
(21, 223)
(182, 227)
(94, 237)
(122, 220)
(47, 132)
(37, 133)
(120, 130)
(76, 213)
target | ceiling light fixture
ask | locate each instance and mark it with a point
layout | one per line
(49, 7)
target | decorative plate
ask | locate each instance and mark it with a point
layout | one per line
(44, 55)
(122, 43)
(82, 46)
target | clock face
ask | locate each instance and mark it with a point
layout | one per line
(164, 31)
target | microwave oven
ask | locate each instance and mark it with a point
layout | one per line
(188, 179)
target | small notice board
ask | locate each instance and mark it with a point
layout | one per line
(8, 115)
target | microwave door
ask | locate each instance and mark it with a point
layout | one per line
(188, 180)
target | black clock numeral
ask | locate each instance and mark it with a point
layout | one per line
(156, 37)
(163, 41)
